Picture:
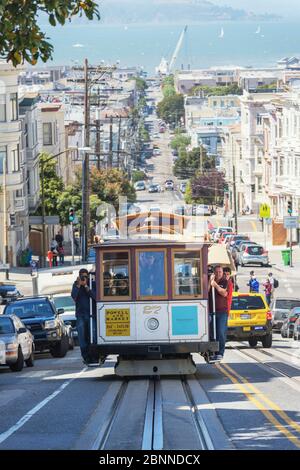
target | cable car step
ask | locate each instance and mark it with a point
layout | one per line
(153, 367)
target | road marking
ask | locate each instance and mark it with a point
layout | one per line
(234, 376)
(5, 435)
(254, 225)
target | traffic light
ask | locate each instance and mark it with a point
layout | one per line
(12, 219)
(290, 207)
(71, 214)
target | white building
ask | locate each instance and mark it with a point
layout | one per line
(14, 169)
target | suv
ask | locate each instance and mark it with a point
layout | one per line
(250, 320)
(169, 184)
(40, 316)
(280, 308)
(140, 186)
(8, 292)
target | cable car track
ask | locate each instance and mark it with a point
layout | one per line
(266, 364)
(153, 429)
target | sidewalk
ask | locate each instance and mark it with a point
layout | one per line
(277, 262)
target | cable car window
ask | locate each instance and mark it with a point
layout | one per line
(151, 273)
(115, 269)
(187, 274)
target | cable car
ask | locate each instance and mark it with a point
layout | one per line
(152, 301)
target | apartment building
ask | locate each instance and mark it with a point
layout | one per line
(13, 200)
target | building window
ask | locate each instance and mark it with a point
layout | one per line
(15, 156)
(47, 133)
(19, 193)
(258, 120)
(14, 106)
(2, 108)
(259, 184)
(3, 155)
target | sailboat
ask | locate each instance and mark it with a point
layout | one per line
(258, 30)
(221, 35)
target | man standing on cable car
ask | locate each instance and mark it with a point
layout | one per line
(218, 288)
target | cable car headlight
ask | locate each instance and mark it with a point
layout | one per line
(152, 324)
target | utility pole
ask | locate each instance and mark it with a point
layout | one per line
(5, 241)
(119, 143)
(235, 200)
(85, 228)
(110, 155)
(97, 144)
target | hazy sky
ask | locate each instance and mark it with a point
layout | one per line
(284, 8)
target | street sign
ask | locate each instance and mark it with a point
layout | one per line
(290, 222)
(264, 211)
(4, 266)
(268, 221)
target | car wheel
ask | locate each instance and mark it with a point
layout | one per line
(267, 340)
(30, 361)
(18, 366)
(252, 341)
(61, 348)
(71, 342)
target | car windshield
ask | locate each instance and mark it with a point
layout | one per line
(6, 326)
(286, 304)
(247, 302)
(65, 302)
(29, 308)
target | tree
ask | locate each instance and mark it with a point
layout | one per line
(141, 84)
(180, 140)
(208, 187)
(138, 175)
(53, 186)
(171, 109)
(109, 184)
(188, 163)
(205, 90)
(22, 39)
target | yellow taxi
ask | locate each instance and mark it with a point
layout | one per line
(250, 319)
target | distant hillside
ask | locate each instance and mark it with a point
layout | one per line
(171, 11)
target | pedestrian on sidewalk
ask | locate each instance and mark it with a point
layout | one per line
(268, 287)
(61, 254)
(54, 254)
(50, 258)
(253, 283)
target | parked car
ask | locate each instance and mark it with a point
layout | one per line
(140, 186)
(200, 209)
(297, 329)
(169, 184)
(237, 238)
(224, 236)
(250, 319)
(287, 329)
(280, 308)
(220, 230)
(16, 343)
(40, 316)
(65, 301)
(254, 254)
(241, 247)
(8, 292)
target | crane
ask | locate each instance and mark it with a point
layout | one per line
(165, 68)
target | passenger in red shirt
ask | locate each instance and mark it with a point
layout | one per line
(219, 285)
(227, 275)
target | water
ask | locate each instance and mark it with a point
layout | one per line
(144, 45)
